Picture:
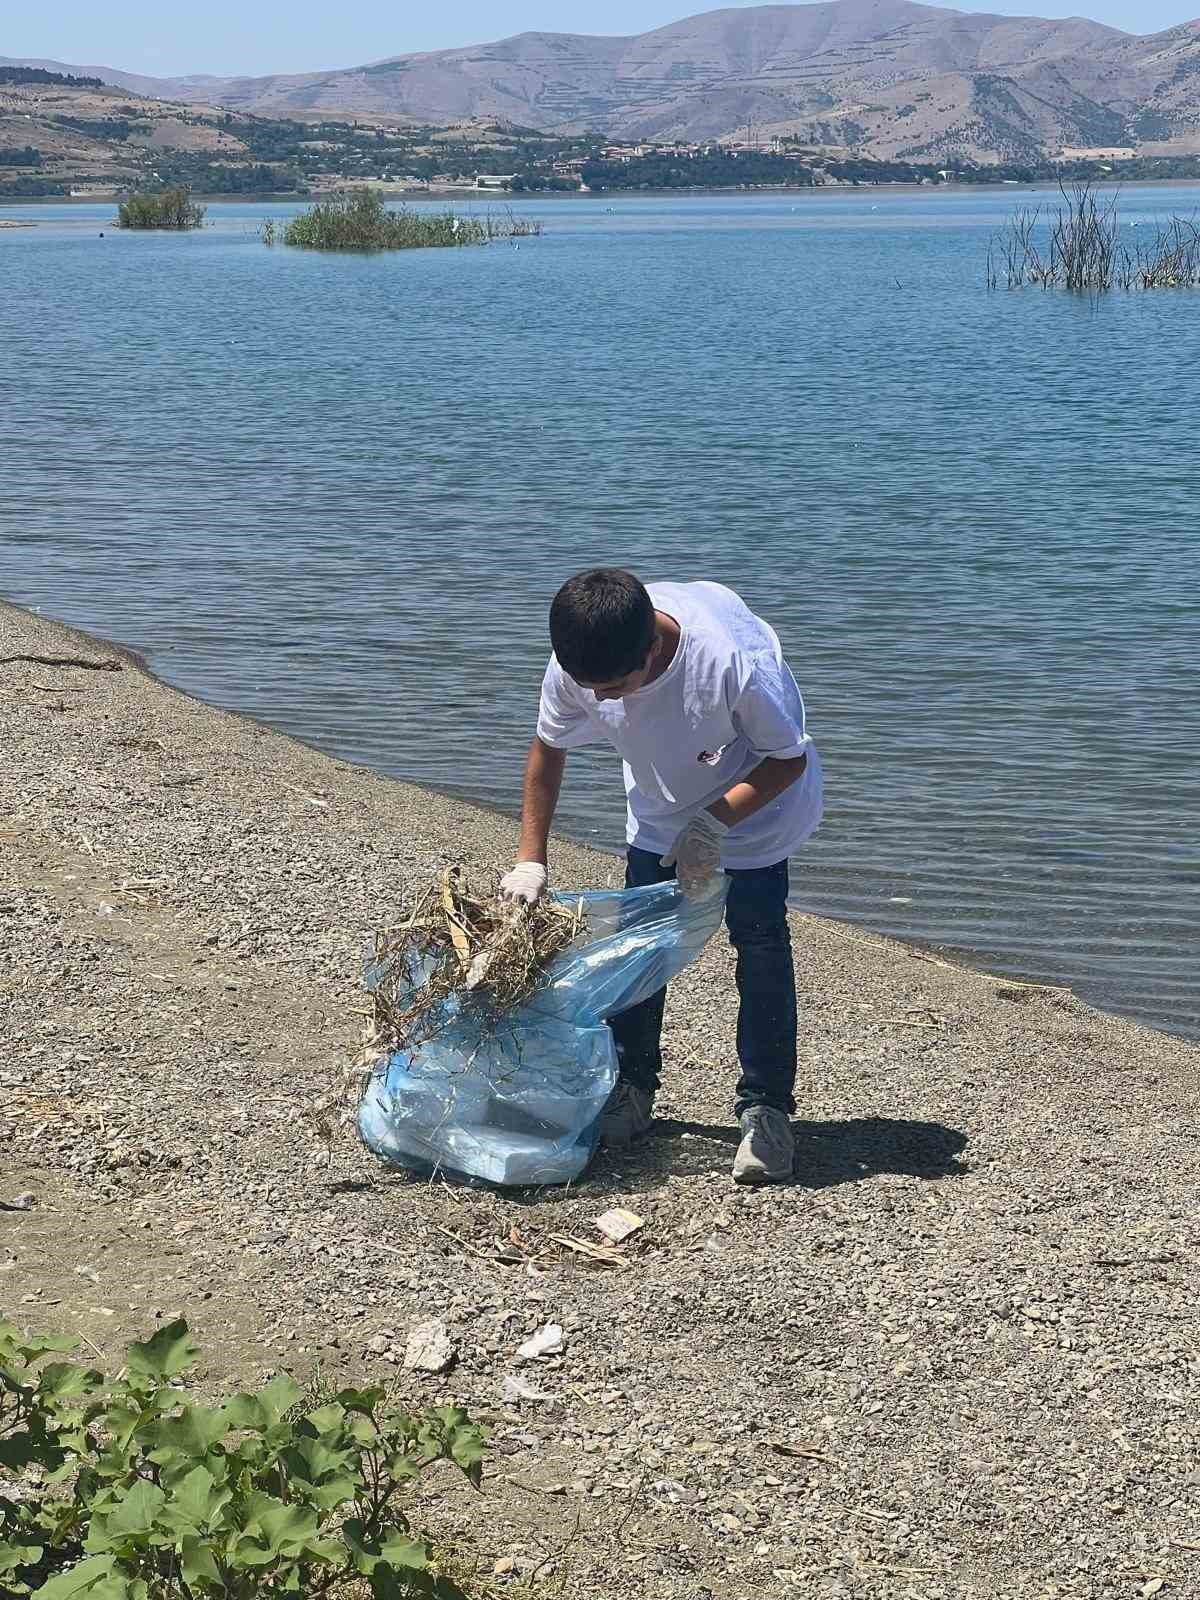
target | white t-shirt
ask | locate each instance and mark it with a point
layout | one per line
(726, 701)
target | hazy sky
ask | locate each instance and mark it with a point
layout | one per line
(227, 36)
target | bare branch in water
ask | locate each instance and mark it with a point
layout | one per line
(1085, 253)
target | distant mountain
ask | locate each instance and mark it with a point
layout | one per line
(889, 78)
(136, 82)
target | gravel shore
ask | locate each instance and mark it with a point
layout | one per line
(958, 1357)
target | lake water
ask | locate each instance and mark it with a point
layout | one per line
(338, 493)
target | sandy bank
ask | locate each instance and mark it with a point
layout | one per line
(976, 1310)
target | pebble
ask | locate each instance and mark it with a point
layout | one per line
(429, 1348)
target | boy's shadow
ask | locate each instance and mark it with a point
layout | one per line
(827, 1153)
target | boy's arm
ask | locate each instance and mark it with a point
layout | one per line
(770, 713)
(757, 789)
(544, 767)
(696, 854)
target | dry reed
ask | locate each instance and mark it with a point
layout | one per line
(458, 950)
(462, 949)
(1079, 248)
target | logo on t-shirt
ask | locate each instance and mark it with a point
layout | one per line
(710, 758)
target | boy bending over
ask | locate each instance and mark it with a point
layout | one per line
(720, 775)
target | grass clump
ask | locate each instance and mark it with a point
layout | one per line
(459, 947)
(172, 208)
(360, 220)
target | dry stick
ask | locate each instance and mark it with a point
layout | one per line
(67, 661)
(478, 946)
(93, 1346)
(465, 1243)
(1135, 1261)
(594, 1252)
(391, 1250)
(458, 934)
(633, 1500)
(800, 1452)
(564, 1547)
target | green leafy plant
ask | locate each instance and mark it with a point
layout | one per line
(132, 1489)
(360, 220)
(172, 208)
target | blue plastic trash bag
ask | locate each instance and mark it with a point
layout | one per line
(520, 1102)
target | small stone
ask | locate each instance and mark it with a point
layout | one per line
(514, 1389)
(429, 1348)
(547, 1341)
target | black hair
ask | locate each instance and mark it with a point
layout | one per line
(602, 625)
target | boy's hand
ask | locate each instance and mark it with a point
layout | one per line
(527, 882)
(696, 856)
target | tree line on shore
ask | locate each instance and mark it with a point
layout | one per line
(648, 176)
(288, 156)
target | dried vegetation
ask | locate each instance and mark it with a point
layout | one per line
(460, 946)
(1079, 247)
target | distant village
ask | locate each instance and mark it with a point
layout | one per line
(458, 160)
(775, 161)
(77, 138)
(574, 170)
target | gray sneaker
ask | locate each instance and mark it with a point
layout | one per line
(627, 1116)
(767, 1152)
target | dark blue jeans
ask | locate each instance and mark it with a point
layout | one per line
(756, 916)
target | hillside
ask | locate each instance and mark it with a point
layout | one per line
(59, 138)
(71, 135)
(889, 78)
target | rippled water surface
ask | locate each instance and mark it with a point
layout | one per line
(338, 493)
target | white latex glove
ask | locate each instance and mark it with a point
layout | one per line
(526, 881)
(696, 856)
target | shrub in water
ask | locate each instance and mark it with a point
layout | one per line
(129, 1489)
(360, 220)
(172, 208)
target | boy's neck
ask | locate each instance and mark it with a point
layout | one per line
(666, 642)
